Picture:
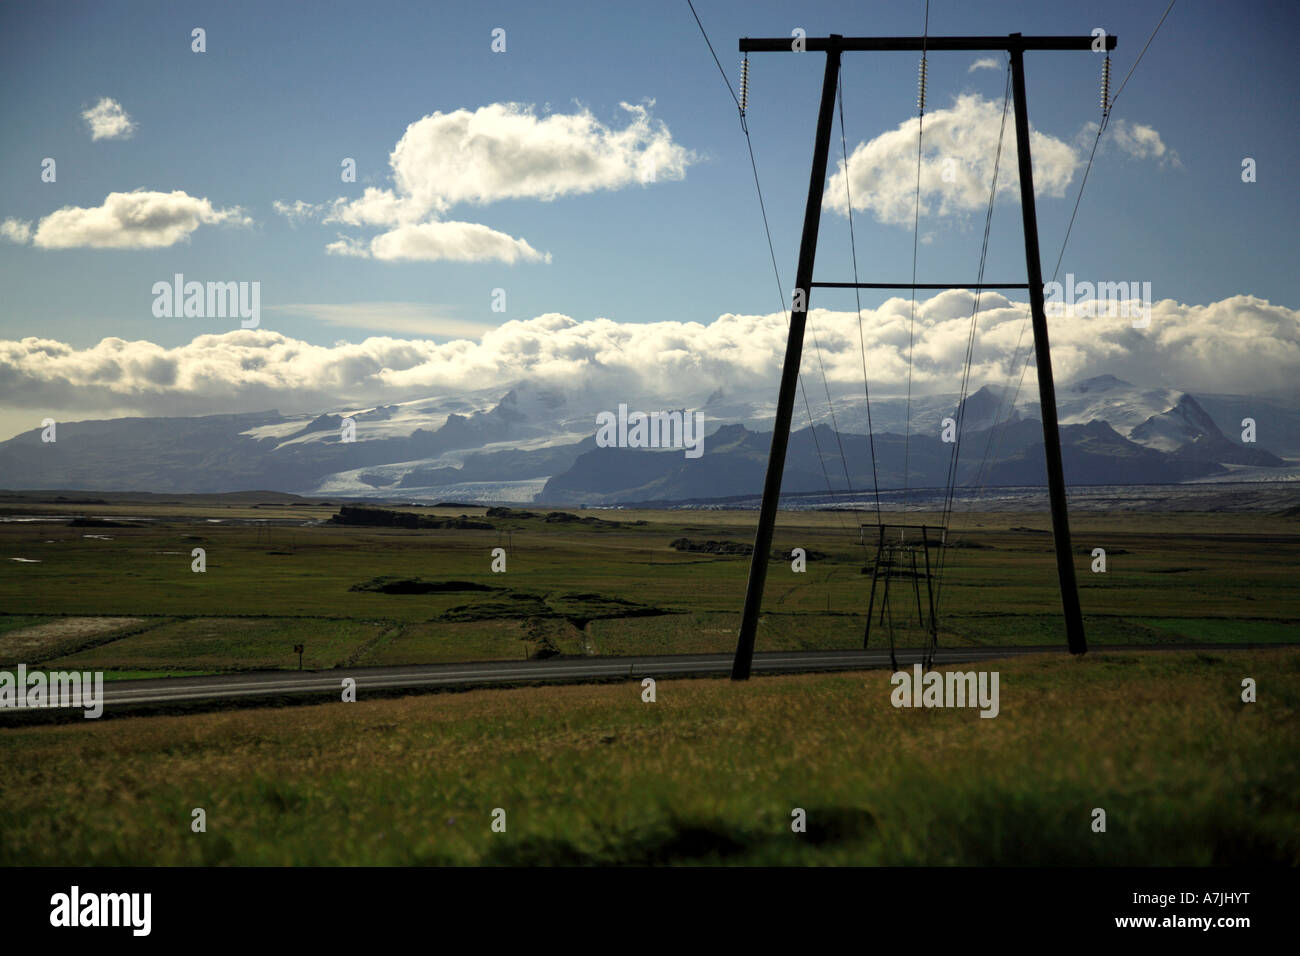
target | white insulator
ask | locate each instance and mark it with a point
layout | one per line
(920, 87)
(744, 83)
(1105, 86)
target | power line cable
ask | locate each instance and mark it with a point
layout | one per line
(821, 460)
(1000, 426)
(857, 294)
(916, 219)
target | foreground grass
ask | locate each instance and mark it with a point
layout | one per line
(710, 773)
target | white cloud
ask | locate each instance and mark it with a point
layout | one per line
(985, 63)
(376, 207)
(16, 230)
(1134, 139)
(437, 242)
(348, 246)
(412, 318)
(505, 151)
(454, 241)
(1240, 344)
(297, 210)
(143, 219)
(497, 152)
(882, 172)
(107, 120)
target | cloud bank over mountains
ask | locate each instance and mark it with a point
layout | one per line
(1241, 344)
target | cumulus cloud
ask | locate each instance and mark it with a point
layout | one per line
(143, 219)
(961, 140)
(1240, 344)
(439, 241)
(16, 230)
(506, 151)
(107, 120)
(442, 241)
(497, 152)
(985, 63)
(1133, 139)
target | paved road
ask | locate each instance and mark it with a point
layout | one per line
(124, 694)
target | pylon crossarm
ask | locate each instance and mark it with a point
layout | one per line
(1011, 42)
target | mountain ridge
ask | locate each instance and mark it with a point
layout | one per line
(536, 442)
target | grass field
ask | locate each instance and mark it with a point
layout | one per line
(123, 598)
(709, 773)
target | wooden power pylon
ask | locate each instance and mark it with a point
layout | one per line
(833, 46)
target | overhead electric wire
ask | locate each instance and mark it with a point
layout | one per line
(954, 459)
(916, 220)
(812, 427)
(999, 427)
(705, 34)
(1101, 128)
(857, 294)
(1142, 54)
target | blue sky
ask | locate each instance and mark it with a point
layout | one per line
(285, 91)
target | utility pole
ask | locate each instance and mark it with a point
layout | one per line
(790, 371)
(1043, 357)
(833, 46)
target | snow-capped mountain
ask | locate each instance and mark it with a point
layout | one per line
(529, 441)
(1123, 406)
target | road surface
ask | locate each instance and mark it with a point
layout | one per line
(128, 693)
